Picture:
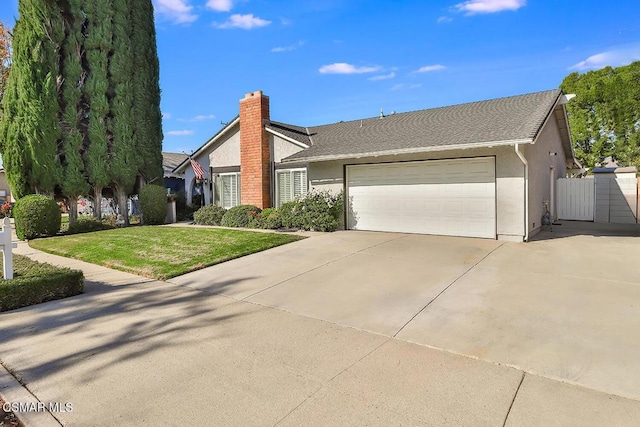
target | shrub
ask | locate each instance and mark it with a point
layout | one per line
(35, 216)
(36, 282)
(87, 225)
(153, 204)
(319, 211)
(289, 215)
(241, 216)
(270, 218)
(209, 215)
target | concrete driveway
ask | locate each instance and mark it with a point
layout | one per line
(348, 328)
(565, 306)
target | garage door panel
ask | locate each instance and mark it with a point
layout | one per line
(450, 197)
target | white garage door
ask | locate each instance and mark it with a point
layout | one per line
(448, 197)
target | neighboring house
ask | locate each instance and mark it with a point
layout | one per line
(172, 180)
(483, 169)
(5, 191)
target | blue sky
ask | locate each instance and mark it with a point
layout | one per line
(325, 61)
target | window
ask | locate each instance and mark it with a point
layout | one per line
(228, 190)
(291, 183)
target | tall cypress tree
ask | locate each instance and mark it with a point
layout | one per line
(97, 45)
(82, 105)
(72, 120)
(146, 90)
(30, 133)
(124, 159)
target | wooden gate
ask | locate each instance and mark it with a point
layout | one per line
(576, 198)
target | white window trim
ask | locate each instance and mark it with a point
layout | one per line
(290, 172)
(237, 174)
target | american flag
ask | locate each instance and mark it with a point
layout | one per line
(197, 169)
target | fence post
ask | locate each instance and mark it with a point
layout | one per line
(5, 243)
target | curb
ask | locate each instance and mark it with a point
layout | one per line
(12, 391)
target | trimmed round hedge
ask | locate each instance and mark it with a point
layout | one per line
(241, 216)
(36, 215)
(153, 204)
(209, 215)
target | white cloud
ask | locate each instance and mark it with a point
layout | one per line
(289, 48)
(405, 86)
(344, 68)
(199, 118)
(220, 5)
(180, 132)
(177, 11)
(444, 20)
(246, 22)
(429, 68)
(166, 116)
(383, 76)
(473, 7)
(614, 57)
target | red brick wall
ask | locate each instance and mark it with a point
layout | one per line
(255, 172)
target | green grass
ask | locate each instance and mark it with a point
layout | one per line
(161, 252)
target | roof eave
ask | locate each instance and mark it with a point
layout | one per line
(286, 138)
(416, 150)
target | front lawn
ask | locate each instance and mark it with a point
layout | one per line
(161, 252)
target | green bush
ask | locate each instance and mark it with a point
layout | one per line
(87, 225)
(35, 216)
(241, 216)
(270, 218)
(289, 215)
(209, 215)
(316, 211)
(36, 282)
(153, 204)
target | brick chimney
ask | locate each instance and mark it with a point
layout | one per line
(255, 174)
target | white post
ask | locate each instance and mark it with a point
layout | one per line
(6, 245)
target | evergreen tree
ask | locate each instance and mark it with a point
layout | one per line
(146, 90)
(29, 132)
(125, 158)
(82, 104)
(72, 121)
(97, 46)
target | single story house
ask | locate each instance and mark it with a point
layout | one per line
(172, 180)
(482, 169)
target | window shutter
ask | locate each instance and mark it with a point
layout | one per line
(284, 187)
(299, 183)
(227, 193)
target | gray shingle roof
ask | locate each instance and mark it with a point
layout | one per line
(171, 160)
(496, 120)
(297, 133)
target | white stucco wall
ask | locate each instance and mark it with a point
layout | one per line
(509, 181)
(226, 152)
(540, 170)
(282, 148)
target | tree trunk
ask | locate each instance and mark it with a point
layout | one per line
(73, 210)
(121, 196)
(97, 203)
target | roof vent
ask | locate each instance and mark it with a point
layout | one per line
(381, 114)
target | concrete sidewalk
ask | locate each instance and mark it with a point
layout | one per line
(135, 351)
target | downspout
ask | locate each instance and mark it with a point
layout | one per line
(526, 191)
